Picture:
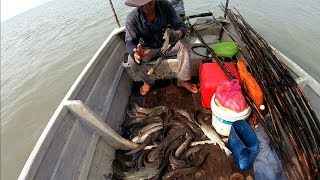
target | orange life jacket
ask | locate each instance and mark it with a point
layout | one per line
(250, 84)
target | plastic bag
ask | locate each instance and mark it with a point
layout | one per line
(267, 164)
(250, 83)
(230, 96)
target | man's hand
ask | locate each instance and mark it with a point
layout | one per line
(173, 35)
(139, 53)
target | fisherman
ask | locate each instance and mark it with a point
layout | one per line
(144, 39)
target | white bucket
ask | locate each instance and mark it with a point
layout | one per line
(223, 118)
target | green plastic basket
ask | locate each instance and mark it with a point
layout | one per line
(225, 49)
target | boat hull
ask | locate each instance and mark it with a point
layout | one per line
(70, 148)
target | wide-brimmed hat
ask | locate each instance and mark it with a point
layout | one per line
(136, 3)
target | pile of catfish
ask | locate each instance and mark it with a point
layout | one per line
(168, 140)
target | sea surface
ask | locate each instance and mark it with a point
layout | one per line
(44, 50)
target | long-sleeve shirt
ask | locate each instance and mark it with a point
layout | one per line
(178, 6)
(150, 35)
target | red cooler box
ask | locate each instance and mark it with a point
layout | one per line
(211, 76)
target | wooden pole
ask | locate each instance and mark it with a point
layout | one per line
(297, 122)
(226, 9)
(114, 13)
(225, 15)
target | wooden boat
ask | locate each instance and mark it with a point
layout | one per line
(81, 138)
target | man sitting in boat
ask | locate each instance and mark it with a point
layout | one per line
(144, 40)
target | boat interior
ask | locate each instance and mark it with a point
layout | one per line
(76, 144)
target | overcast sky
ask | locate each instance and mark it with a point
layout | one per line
(10, 8)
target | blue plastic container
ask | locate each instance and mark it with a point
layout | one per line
(243, 144)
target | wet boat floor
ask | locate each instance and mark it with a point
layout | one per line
(218, 165)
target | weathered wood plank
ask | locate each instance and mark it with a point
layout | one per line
(92, 78)
(107, 75)
(119, 103)
(82, 79)
(50, 158)
(119, 78)
(85, 167)
(71, 158)
(92, 121)
(35, 159)
(102, 161)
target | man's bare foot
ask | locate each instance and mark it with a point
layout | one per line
(144, 89)
(189, 86)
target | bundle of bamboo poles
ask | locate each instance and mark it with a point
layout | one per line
(293, 124)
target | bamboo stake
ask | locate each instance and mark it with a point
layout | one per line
(114, 13)
(254, 52)
(225, 15)
(289, 93)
